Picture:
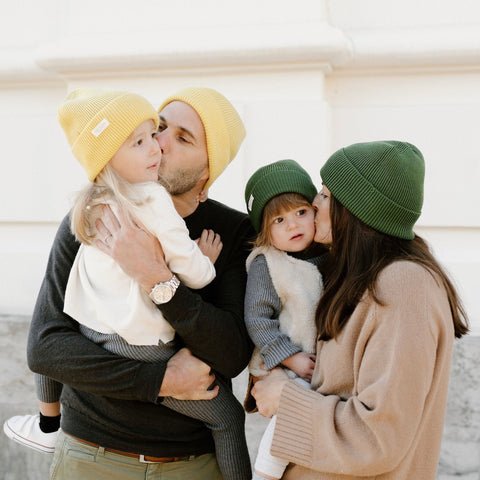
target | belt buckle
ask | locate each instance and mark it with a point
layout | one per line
(141, 459)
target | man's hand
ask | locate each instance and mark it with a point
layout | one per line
(302, 364)
(138, 253)
(187, 378)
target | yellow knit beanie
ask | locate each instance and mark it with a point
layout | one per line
(224, 129)
(97, 122)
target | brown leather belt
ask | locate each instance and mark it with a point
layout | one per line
(140, 458)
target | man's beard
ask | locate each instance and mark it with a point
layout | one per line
(182, 181)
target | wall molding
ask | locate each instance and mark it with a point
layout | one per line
(415, 47)
(315, 45)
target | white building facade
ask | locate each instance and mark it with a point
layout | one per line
(307, 77)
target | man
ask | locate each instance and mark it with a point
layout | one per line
(112, 417)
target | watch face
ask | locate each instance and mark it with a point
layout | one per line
(162, 294)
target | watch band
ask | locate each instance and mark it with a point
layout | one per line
(164, 291)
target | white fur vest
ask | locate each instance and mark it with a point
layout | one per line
(298, 284)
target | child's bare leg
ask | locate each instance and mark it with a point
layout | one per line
(49, 409)
(49, 416)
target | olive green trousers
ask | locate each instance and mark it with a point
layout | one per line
(74, 460)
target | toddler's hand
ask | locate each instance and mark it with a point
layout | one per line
(210, 244)
(302, 364)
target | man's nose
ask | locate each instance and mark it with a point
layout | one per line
(155, 146)
(162, 140)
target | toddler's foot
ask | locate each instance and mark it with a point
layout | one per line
(25, 429)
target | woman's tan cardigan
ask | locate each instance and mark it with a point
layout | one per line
(379, 391)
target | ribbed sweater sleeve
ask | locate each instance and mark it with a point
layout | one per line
(296, 432)
(262, 308)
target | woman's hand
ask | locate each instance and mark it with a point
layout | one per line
(267, 391)
(138, 253)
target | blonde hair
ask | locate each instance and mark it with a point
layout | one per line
(273, 208)
(109, 187)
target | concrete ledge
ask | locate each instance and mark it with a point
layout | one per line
(17, 396)
(460, 455)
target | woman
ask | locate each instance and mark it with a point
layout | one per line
(386, 324)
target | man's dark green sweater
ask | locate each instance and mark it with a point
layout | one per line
(113, 401)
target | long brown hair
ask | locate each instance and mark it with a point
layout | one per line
(357, 255)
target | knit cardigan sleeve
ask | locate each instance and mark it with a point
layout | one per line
(375, 386)
(262, 308)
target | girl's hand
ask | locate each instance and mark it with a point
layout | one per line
(302, 364)
(267, 391)
(210, 244)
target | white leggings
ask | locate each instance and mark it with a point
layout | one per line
(266, 463)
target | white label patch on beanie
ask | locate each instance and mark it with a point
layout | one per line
(100, 127)
(250, 203)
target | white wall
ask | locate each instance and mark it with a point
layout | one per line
(307, 79)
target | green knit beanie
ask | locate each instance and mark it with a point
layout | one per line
(381, 183)
(271, 180)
